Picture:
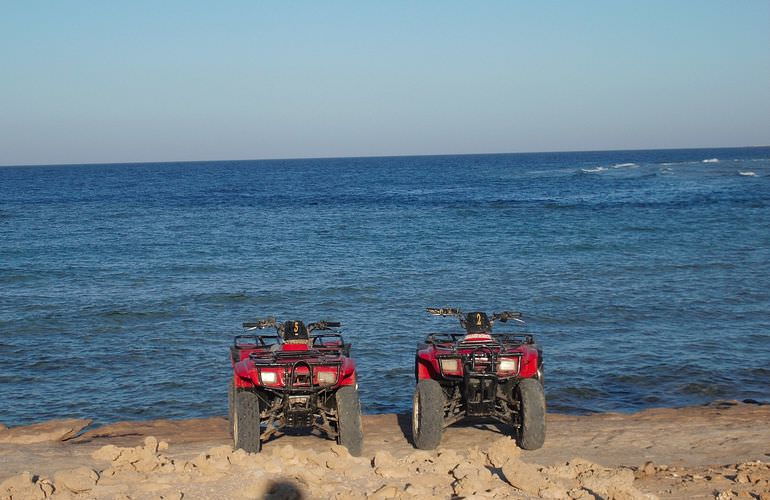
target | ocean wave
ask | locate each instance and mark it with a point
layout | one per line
(711, 160)
(748, 174)
(593, 170)
(625, 165)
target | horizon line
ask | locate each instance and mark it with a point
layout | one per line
(299, 158)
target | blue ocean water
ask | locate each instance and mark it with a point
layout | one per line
(645, 275)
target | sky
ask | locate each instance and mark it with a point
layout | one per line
(108, 81)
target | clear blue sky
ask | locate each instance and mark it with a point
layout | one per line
(108, 81)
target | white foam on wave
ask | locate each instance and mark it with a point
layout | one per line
(593, 170)
(711, 160)
(748, 174)
(625, 165)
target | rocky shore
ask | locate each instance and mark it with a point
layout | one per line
(721, 450)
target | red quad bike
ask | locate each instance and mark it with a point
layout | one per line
(295, 379)
(478, 374)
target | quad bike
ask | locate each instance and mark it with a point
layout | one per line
(478, 374)
(294, 379)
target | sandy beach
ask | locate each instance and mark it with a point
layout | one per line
(721, 450)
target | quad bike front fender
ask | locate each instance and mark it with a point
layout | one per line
(348, 373)
(245, 374)
(530, 363)
(425, 367)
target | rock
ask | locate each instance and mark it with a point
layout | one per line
(53, 430)
(471, 479)
(321, 458)
(340, 451)
(107, 453)
(151, 444)
(336, 464)
(646, 470)
(386, 491)
(524, 476)
(418, 456)
(138, 459)
(501, 451)
(22, 486)
(239, 457)
(553, 492)
(355, 470)
(610, 483)
(580, 494)
(448, 457)
(77, 480)
(47, 487)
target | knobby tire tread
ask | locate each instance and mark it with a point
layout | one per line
(431, 416)
(531, 435)
(350, 432)
(247, 415)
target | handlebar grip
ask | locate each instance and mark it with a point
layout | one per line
(443, 311)
(260, 323)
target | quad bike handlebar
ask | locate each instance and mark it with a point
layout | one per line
(261, 323)
(503, 316)
(443, 311)
(272, 323)
(323, 325)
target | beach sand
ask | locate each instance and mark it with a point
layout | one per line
(720, 450)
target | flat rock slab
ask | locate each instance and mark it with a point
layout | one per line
(52, 430)
(191, 430)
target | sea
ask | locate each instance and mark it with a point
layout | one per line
(644, 275)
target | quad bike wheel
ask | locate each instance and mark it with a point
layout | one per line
(245, 421)
(427, 414)
(531, 434)
(230, 405)
(350, 434)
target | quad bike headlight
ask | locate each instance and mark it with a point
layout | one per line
(508, 365)
(327, 378)
(268, 378)
(450, 366)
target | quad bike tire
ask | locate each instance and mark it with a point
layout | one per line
(427, 414)
(245, 422)
(350, 434)
(531, 433)
(230, 405)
